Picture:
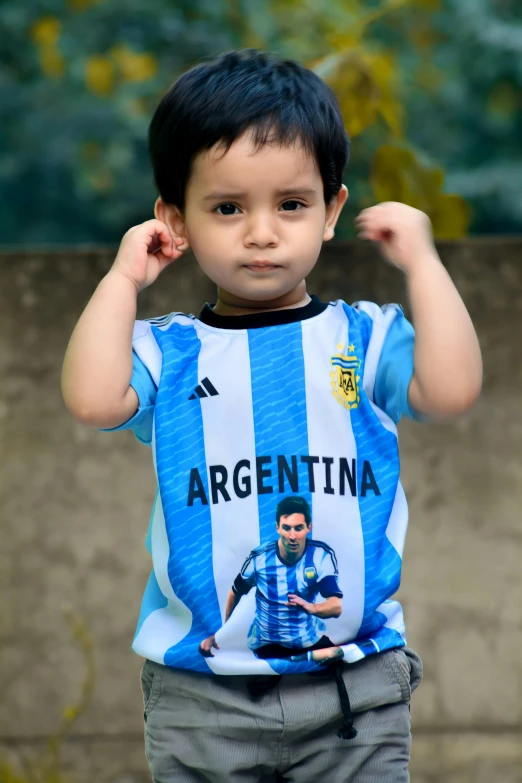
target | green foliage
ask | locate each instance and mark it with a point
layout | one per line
(80, 79)
(465, 107)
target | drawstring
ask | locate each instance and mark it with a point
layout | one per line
(259, 687)
(347, 730)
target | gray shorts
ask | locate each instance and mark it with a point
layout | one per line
(210, 728)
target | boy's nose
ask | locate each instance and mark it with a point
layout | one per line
(261, 232)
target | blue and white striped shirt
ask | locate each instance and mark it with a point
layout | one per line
(239, 418)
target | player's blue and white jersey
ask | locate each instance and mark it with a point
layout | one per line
(315, 574)
(241, 417)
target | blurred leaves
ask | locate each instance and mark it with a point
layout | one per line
(424, 85)
(365, 84)
(134, 66)
(397, 175)
(99, 74)
(45, 33)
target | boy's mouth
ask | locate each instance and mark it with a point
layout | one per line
(262, 266)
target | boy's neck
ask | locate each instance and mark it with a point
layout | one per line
(228, 304)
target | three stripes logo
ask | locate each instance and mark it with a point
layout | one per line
(204, 389)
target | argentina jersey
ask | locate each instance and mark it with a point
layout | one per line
(279, 519)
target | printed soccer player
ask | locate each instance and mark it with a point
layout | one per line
(289, 573)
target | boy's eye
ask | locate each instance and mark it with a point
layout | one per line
(226, 209)
(291, 206)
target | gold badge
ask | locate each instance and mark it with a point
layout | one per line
(310, 574)
(345, 377)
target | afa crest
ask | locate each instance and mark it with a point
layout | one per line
(345, 377)
(310, 574)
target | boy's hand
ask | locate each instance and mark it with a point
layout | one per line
(145, 251)
(404, 233)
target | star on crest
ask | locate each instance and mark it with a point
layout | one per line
(351, 348)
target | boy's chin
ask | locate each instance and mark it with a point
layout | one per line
(260, 294)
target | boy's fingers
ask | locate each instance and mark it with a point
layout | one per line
(369, 211)
(160, 236)
(166, 245)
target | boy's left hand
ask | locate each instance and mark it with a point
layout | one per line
(403, 233)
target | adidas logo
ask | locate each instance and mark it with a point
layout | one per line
(199, 391)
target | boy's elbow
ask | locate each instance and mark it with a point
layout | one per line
(85, 413)
(461, 403)
(464, 397)
(447, 403)
(102, 415)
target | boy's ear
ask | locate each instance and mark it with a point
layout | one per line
(333, 210)
(173, 219)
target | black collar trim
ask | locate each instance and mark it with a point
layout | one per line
(259, 320)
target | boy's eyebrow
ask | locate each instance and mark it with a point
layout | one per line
(222, 196)
(297, 190)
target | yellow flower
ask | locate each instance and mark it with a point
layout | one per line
(51, 61)
(134, 66)
(45, 34)
(46, 31)
(99, 75)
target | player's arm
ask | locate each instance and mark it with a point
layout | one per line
(447, 376)
(332, 607)
(208, 644)
(233, 599)
(240, 588)
(97, 368)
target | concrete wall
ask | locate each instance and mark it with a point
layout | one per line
(74, 507)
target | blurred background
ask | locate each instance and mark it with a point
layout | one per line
(431, 93)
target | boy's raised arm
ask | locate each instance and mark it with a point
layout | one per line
(97, 368)
(447, 376)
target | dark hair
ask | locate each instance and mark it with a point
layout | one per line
(293, 505)
(217, 101)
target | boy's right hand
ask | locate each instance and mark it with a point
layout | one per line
(145, 251)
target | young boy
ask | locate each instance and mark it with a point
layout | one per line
(270, 655)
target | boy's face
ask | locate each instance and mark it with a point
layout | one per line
(255, 219)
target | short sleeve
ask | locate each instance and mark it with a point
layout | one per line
(327, 566)
(141, 423)
(327, 581)
(329, 587)
(246, 579)
(395, 370)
